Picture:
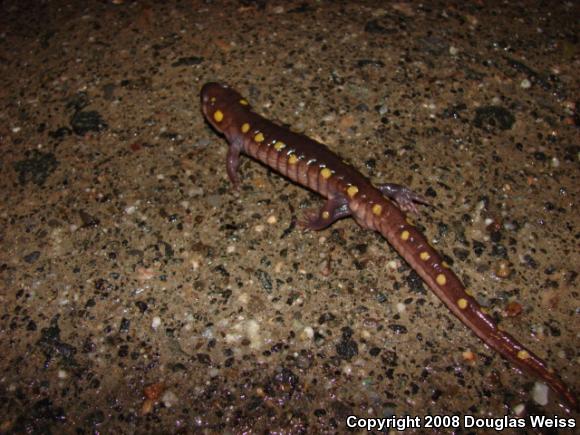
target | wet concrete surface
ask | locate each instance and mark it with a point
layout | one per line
(139, 293)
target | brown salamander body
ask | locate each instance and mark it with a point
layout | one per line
(349, 193)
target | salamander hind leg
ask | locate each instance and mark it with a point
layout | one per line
(334, 209)
(403, 196)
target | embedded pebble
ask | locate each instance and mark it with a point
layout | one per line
(503, 269)
(540, 393)
(169, 399)
(468, 356)
(519, 410)
(308, 333)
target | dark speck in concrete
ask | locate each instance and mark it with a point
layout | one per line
(492, 117)
(60, 133)
(347, 348)
(53, 347)
(398, 329)
(32, 257)
(188, 61)
(373, 26)
(88, 220)
(415, 283)
(370, 62)
(36, 168)
(84, 121)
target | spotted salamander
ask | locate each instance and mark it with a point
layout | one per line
(381, 208)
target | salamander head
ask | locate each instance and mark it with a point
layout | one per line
(217, 100)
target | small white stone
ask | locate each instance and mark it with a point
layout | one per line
(253, 329)
(519, 409)
(308, 333)
(169, 399)
(207, 333)
(243, 298)
(525, 84)
(156, 322)
(540, 393)
(329, 118)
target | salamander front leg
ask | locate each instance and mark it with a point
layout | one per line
(233, 163)
(403, 196)
(334, 209)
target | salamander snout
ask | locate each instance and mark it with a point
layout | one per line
(211, 91)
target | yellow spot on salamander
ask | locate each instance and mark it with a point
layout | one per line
(292, 159)
(424, 256)
(441, 279)
(409, 220)
(462, 303)
(325, 215)
(468, 292)
(352, 191)
(523, 354)
(212, 100)
(245, 127)
(405, 235)
(218, 115)
(244, 102)
(279, 146)
(326, 173)
(445, 264)
(377, 209)
(259, 137)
